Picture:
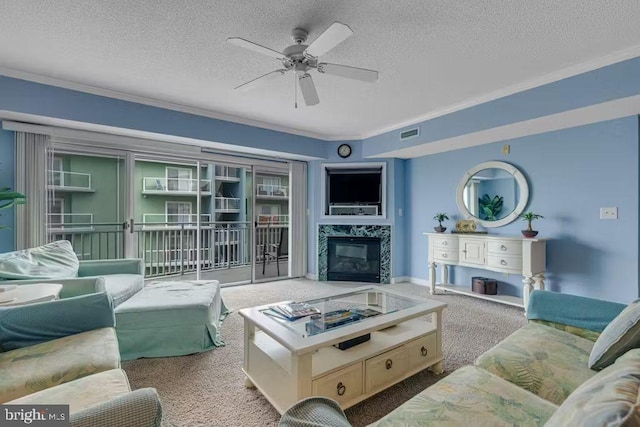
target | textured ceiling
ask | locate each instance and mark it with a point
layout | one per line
(431, 55)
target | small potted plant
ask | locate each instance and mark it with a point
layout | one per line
(440, 217)
(530, 216)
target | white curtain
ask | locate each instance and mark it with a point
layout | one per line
(31, 180)
(298, 215)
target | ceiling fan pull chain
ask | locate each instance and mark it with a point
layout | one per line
(295, 89)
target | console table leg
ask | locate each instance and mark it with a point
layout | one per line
(445, 274)
(438, 368)
(526, 291)
(539, 279)
(432, 278)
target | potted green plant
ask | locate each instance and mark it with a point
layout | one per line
(530, 216)
(440, 217)
(9, 198)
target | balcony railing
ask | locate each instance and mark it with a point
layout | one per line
(63, 221)
(271, 190)
(64, 180)
(227, 172)
(174, 220)
(173, 250)
(162, 185)
(227, 204)
(272, 219)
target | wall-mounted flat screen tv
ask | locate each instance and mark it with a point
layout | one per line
(354, 187)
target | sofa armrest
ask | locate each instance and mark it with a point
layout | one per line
(70, 287)
(22, 326)
(140, 408)
(111, 266)
(572, 310)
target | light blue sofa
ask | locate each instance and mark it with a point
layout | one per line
(57, 263)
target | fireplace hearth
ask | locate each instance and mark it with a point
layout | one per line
(354, 259)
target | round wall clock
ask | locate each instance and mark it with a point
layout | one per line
(344, 150)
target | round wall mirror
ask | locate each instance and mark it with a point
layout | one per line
(493, 194)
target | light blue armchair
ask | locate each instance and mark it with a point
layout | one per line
(66, 352)
(57, 263)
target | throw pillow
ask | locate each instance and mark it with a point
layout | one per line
(622, 334)
(609, 398)
(54, 260)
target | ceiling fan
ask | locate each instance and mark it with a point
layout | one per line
(301, 58)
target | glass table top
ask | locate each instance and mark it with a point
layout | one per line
(328, 313)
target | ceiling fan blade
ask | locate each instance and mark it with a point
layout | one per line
(255, 47)
(259, 80)
(332, 37)
(348, 72)
(308, 90)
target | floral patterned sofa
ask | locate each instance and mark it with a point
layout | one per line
(66, 352)
(576, 363)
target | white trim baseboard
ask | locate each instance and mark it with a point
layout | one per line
(400, 279)
(418, 281)
(312, 276)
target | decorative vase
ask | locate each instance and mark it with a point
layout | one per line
(440, 229)
(529, 233)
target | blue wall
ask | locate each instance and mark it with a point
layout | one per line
(6, 180)
(604, 84)
(571, 174)
(35, 98)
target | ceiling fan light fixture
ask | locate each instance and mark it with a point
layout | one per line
(301, 58)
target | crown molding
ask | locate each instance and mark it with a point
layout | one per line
(570, 71)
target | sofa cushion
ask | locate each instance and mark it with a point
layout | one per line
(471, 396)
(610, 398)
(622, 334)
(543, 360)
(31, 369)
(54, 260)
(82, 393)
(121, 287)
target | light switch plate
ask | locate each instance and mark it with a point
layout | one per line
(609, 213)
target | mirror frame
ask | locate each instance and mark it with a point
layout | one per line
(522, 186)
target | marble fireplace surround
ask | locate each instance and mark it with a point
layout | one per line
(331, 230)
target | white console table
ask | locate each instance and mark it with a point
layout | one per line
(502, 254)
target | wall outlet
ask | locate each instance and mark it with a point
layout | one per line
(400, 212)
(609, 213)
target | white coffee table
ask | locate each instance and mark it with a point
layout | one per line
(288, 361)
(28, 294)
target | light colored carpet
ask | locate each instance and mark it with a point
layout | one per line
(207, 389)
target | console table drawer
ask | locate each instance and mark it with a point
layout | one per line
(445, 242)
(386, 368)
(422, 350)
(504, 262)
(505, 247)
(342, 385)
(445, 255)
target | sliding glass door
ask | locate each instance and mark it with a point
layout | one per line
(85, 203)
(208, 218)
(271, 219)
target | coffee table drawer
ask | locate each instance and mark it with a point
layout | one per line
(386, 368)
(422, 350)
(342, 385)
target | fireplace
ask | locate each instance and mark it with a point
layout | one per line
(355, 259)
(380, 232)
